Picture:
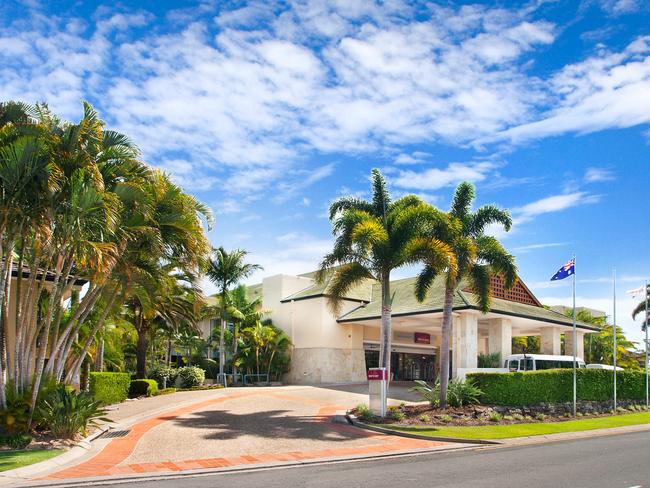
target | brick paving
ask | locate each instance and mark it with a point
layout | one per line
(238, 427)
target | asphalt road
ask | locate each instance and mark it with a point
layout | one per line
(611, 462)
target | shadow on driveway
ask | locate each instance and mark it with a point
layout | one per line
(270, 424)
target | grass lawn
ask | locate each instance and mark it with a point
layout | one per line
(17, 459)
(522, 430)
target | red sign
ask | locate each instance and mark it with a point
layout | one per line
(377, 374)
(422, 338)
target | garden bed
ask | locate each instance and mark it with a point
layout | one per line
(426, 415)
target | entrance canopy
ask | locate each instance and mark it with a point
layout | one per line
(512, 313)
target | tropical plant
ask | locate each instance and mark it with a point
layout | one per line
(489, 360)
(77, 207)
(373, 238)
(430, 393)
(641, 307)
(225, 270)
(599, 347)
(67, 413)
(264, 349)
(463, 392)
(477, 258)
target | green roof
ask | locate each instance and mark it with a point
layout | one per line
(405, 303)
(361, 292)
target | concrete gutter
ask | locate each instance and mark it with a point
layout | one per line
(352, 420)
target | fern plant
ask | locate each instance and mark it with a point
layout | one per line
(68, 413)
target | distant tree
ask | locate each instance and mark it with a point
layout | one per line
(226, 270)
(599, 347)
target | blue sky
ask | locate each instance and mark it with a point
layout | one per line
(267, 111)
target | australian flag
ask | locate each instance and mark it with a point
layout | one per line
(567, 270)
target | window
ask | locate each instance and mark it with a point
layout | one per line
(513, 365)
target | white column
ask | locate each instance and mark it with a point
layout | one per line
(466, 340)
(500, 337)
(550, 340)
(568, 343)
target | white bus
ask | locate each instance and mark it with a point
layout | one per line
(538, 362)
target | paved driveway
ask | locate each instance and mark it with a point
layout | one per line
(237, 426)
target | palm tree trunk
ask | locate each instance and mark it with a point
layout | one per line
(385, 345)
(444, 346)
(222, 334)
(141, 348)
(99, 356)
(234, 353)
(222, 351)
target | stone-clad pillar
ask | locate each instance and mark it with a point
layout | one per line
(500, 337)
(568, 343)
(550, 340)
(465, 341)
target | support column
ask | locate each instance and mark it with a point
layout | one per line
(568, 343)
(466, 341)
(550, 340)
(500, 337)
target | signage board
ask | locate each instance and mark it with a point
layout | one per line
(422, 338)
(376, 374)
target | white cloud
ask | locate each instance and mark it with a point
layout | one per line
(620, 7)
(215, 94)
(554, 203)
(533, 247)
(607, 90)
(436, 178)
(294, 253)
(595, 175)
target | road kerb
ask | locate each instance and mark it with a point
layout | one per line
(110, 480)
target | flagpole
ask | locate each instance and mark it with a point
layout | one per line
(614, 331)
(575, 350)
(645, 323)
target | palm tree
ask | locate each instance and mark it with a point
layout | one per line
(375, 237)
(227, 269)
(243, 313)
(477, 256)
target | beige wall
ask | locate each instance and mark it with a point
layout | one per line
(324, 351)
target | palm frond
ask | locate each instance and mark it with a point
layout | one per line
(380, 194)
(492, 253)
(342, 281)
(479, 277)
(490, 214)
(463, 199)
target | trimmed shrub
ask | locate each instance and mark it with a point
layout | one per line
(191, 376)
(109, 388)
(143, 388)
(162, 372)
(556, 386)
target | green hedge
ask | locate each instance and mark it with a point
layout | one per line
(143, 388)
(110, 387)
(556, 386)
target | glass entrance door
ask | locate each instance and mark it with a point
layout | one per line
(406, 366)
